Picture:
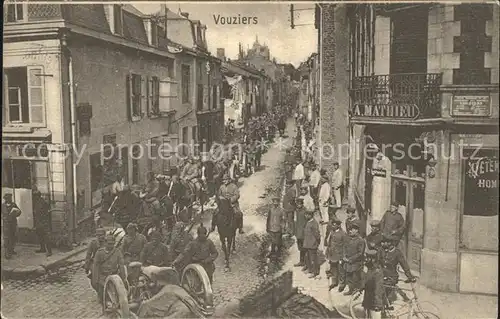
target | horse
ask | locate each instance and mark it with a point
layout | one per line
(226, 222)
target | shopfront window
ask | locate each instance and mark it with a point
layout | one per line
(479, 229)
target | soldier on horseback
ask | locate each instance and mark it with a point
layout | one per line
(151, 189)
(230, 191)
(192, 172)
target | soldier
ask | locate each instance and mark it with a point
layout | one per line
(41, 220)
(300, 224)
(312, 240)
(201, 251)
(337, 183)
(350, 219)
(10, 213)
(180, 237)
(335, 240)
(151, 190)
(108, 261)
(314, 179)
(289, 206)
(289, 164)
(274, 226)
(354, 250)
(391, 257)
(373, 297)
(392, 224)
(155, 252)
(298, 174)
(230, 191)
(374, 239)
(94, 246)
(307, 199)
(191, 172)
(133, 243)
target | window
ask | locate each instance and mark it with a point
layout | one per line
(186, 83)
(118, 19)
(136, 155)
(215, 97)
(24, 95)
(168, 93)
(479, 229)
(199, 97)
(154, 96)
(15, 12)
(135, 96)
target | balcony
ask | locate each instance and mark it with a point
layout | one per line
(407, 96)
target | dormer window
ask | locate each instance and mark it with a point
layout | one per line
(118, 19)
(15, 12)
(198, 35)
(195, 26)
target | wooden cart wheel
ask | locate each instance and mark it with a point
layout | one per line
(195, 281)
(115, 300)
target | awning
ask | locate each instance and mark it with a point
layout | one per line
(21, 137)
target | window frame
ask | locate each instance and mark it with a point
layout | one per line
(118, 23)
(186, 83)
(463, 168)
(24, 7)
(153, 96)
(166, 99)
(29, 102)
(135, 97)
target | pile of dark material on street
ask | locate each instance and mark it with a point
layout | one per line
(277, 298)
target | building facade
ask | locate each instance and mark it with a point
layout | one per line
(423, 132)
(91, 92)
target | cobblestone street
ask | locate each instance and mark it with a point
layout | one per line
(68, 294)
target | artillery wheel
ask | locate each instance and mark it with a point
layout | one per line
(195, 281)
(115, 300)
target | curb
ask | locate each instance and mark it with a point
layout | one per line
(38, 271)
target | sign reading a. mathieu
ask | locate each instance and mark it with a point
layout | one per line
(391, 111)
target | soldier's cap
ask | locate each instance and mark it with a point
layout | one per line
(388, 239)
(356, 224)
(8, 195)
(351, 209)
(375, 223)
(132, 225)
(371, 253)
(100, 231)
(299, 200)
(336, 221)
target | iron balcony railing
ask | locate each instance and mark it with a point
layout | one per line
(415, 89)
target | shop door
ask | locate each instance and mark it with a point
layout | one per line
(410, 195)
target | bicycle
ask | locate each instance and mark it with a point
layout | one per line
(409, 308)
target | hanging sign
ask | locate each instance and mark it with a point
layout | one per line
(378, 172)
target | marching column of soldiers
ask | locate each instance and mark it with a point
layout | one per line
(346, 250)
(177, 247)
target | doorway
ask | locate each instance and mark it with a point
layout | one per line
(410, 194)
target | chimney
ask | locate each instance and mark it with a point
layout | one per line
(221, 54)
(163, 15)
(185, 15)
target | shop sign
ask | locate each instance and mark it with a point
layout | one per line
(393, 111)
(378, 172)
(481, 185)
(471, 105)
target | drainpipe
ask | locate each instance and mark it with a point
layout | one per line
(320, 144)
(73, 135)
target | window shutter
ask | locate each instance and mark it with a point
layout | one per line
(144, 96)
(149, 94)
(5, 109)
(36, 94)
(128, 86)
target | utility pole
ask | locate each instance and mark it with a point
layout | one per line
(292, 25)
